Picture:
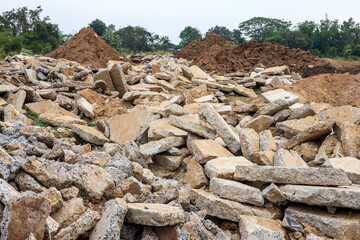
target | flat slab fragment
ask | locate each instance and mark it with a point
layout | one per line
(162, 145)
(226, 209)
(90, 134)
(221, 127)
(205, 150)
(193, 124)
(58, 120)
(289, 175)
(153, 214)
(347, 197)
(224, 167)
(126, 126)
(276, 94)
(236, 191)
(162, 128)
(340, 225)
(48, 107)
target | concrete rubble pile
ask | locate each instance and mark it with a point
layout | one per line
(163, 150)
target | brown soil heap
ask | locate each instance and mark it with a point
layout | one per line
(214, 54)
(87, 47)
(335, 89)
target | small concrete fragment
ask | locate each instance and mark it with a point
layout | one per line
(195, 175)
(272, 108)
(272, 96)
(274, 195)
(118, 79)
(287, 175)
(154, 214)
(58, 120)
(249, 139)
(286, 159)
(260, 123)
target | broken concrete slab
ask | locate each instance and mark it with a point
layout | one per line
(48, 107)
(110, 224)
(205, 150)
(92, 179)
(276, 94)
(195, 175)
(252, 227)
(162, 145)
(224, 167)
(58, 120)
(272, 108)
(222, 128)
(162, 128)
(288, 175)
(90, 134)
(249, 141)
(302, 112)
(320, 130)
(70, 212)
(154, 214)
(295, 126)
(236, 191)
(340, 225)
(345, 197)
(192, 124)
(126, 126)
(172, 162)
(284, 158)
(341, 114)
(350, 165)
(118, 79)
(226, 209)
(243, 91)
(260, 123)
(104, 75)
(350, 139)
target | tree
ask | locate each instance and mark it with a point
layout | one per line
(112, 39)
(98, 26)
(327, 37)
(161, 43)
(189, 34)
(137, 39)
(237, 36)
(222, 31)
(44, 38)
(21, 20)
(255, 27)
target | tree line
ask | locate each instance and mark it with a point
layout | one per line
(23, 29)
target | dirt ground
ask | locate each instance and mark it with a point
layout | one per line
(335, 89)
(88, 48)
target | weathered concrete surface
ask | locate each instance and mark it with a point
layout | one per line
(346, 197)
(287, 175)
(349, 164)
(252, 227)
(340, 225)
(205, 150)
(221, 127)
(226, 209)
(224, 167)
(154, 214)
(236, 191)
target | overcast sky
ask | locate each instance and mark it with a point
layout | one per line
(169, 17)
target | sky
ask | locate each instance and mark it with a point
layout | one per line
(169, 17)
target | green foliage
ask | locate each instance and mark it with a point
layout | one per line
(137, 39)
(35, 118)
(44, 38)
(189, 34)
(9, 44)
(230, 45)
(21, 20)
(257, 26)
(222, 31)
(112, 39)
(91, 124)
(238, 36)
(98, 26)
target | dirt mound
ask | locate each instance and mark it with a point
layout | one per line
(87, 47)
(327, 65)
(215, 54)
(335, 89)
